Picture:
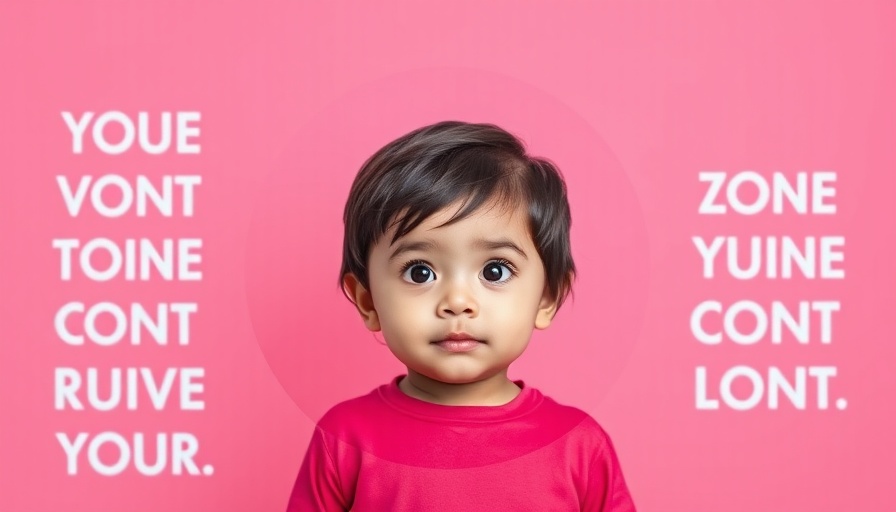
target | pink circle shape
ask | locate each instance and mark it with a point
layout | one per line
(312, 337)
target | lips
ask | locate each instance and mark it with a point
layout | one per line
(458, 342)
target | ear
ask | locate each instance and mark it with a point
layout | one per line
(363, 300)
(547, 308)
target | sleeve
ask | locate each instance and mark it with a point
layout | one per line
(317, 488)
(605, 490)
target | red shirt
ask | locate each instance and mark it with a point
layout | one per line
(386, 452)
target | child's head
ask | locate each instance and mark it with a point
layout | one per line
(454, 218)
(432, 167)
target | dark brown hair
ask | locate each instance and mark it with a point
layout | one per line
(430, 168)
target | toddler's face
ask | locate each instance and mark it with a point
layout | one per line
(458, 303)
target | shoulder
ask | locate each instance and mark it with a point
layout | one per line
(350, 411)
(581, 429)
(363, 422)
(590, 453)
(553, 407)
(558, 412)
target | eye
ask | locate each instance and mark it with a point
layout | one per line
(417, 272)
(498, 271)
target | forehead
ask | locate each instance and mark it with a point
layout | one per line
(485, 230)
(493, 218)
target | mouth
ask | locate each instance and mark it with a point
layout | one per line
(458, 342)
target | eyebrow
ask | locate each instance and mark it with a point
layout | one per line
(481, 243)
(403, 247)
(500, 243)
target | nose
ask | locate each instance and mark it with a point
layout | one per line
(458, 299)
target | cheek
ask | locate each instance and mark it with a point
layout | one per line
(396, 312)
(516, 311)
(522, 319)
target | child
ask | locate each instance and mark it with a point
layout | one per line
(456, 247)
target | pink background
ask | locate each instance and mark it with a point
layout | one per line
(631, 100)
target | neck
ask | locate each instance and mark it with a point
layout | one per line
(494, 390)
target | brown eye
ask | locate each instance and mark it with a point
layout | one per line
(496, 272)
(418, 273)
